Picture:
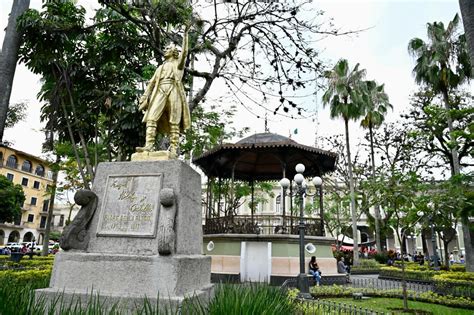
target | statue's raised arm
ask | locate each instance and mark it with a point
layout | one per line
(184, 52)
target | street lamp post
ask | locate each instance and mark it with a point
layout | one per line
(318, 182)
(302, 280)
(284, 183)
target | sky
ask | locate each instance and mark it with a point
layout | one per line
(381, 49)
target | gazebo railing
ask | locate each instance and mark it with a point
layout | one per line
(261, 224)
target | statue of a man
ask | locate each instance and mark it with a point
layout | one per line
(164, 101)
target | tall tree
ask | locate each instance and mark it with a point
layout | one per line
(467, 12)
(376, 106)
(443, 65)
(344, 97)
(337, 213)
(11, 200)
(8, 59)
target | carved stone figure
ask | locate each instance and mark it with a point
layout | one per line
(164, 101)
(166, 233)
(75, 235)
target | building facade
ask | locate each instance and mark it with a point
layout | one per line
(35, 176)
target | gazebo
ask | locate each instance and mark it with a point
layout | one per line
(261, 157)
(256, 247)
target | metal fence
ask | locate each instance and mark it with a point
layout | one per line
(329, 307)
(261, 224)
(381, 284)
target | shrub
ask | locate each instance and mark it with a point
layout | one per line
(366, 265)
(381, 258)
(455, 283)
(28, 278)
(410, 274)
(429, 297)
(250, 299)
(457, 268)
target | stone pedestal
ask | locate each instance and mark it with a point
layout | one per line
(144, 238)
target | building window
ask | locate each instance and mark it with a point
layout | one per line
(10, 177)
(26, 167)
(61, 220)
(24, 181)
(278, 204)
(36, 184)
(43, 222)
(39, 170)
(1, 158)
(12, 161)
(45, 205)
(31, 217)
(33, 201)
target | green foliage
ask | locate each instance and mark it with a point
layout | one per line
(410, 274)
(366, 265)
(250, 299)
(54, 235)
(443, 62)
(457, 268)
(31, 278)
(344, 94)
(16, 113)
(395, 306)
(429, 297)
(428, 126)
(18, 297)
(208, 129)
(381, 257)
(11, 200)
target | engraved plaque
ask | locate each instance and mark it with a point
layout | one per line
(130, 206)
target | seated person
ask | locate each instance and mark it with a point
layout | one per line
(314, 270)
(343, 268)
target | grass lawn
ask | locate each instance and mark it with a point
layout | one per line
(385, 304)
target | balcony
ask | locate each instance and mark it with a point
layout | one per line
(261, 224)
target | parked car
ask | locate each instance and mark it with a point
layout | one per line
(14, 247)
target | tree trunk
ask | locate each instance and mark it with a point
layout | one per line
(8, 59)
(446, 252)
(353, 207)
(377, 206)
(467, 12)
(468, 248)
(45, 250)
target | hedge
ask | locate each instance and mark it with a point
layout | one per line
(411, 275)
(429, 297)
(455, 283)
(31, 278)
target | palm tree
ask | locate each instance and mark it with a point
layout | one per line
(467, 11)
(376, 106)
(443, 64)
(344, 96)
(8, 59)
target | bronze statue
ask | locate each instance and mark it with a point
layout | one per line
(164, 101)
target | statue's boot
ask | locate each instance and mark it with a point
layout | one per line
(174, 138)
(150, 138)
